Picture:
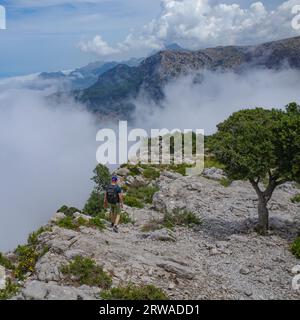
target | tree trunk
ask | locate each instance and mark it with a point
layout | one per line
(263, 216)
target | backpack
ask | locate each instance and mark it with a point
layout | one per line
(112, 195)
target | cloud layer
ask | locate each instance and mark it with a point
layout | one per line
(201, 23)
(47, 157)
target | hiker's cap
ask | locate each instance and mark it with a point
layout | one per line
(114, 178)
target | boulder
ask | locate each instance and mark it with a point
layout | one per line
(57, 217)
(78, 215)
(122, 172)
(214, 174)
(2, 278)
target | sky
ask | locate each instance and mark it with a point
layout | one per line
(52, 35)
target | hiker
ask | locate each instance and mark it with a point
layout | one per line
(114, 200)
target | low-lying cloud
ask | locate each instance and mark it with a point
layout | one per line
(47, 157)
(203, 101)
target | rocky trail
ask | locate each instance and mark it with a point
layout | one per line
(223, 258)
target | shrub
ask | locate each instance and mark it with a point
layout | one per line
(33, 237)
(295, 248)
(211, 162)
(131, 292)
(133, 202)
(27, 258)
(181, 218)
(151, 173)
(296, 198)
(75, 224)
(4, 262)
(86, 272)
(10, 290)
(68, 211)
(225, 182)
(125, 218)
(67, 223)
(102, 177)
(180, 168)
(144, 194)
(95, 204)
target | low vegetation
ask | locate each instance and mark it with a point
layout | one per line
(6, 263)
(295, 248)
(132, 292)
(132, 201)
(68, 211)
(10, 290)
(151, 173)
(296, 198)
(225, 182)
(84, 271)
(180, 218)
(75, 224)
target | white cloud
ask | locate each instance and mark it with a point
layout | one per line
(97, 46)
(201, 23)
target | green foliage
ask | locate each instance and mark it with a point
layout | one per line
(144, 194)
(256, 143)
(68, 211)
(27, 258)
(10, 290)
(212, 162)
(133, 170)
(131, 292)
(86, 272)
(95, 204)
(33, 237)
(5, 262)
(75, 224)
(295, 248)
(296, 198)
(102, 177)
(132, 201)
(151, 173)
(225, 182)
(180, 168)
(125, 218)
(180, 218)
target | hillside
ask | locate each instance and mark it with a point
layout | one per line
(114, 90)
(221, 258)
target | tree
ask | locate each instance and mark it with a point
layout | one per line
(95, 204)
(101, 178)
(261, 146)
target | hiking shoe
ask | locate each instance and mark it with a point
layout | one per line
(112, 225)
(115, 229)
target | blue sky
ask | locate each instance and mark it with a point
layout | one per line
(45, 34)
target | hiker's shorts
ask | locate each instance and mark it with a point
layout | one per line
(115, 208)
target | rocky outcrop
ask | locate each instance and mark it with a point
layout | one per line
(221, 259)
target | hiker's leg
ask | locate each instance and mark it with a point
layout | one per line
(112, 216)
(118, 214)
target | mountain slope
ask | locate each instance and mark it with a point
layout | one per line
(111, 94)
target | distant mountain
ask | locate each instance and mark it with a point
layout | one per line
(86, 76)
(113, 92)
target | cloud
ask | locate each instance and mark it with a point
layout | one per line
(47, 157)
(204, 103)
(201, 23)
(98, 46)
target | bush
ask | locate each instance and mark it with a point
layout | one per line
(4, 262)
(68, 211)
(225, 182)
(144, 194)
(95, 204)
(86, 272)
(125, 218)
(296, 198)
(131, 292)
(295, 248)
(180, 168)
(75, 224)
(10, 290)
(102, 177)
(27, 258)
(151, 173)
(132, 201)
(211, 162)
(181, 218)
(33, 237)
